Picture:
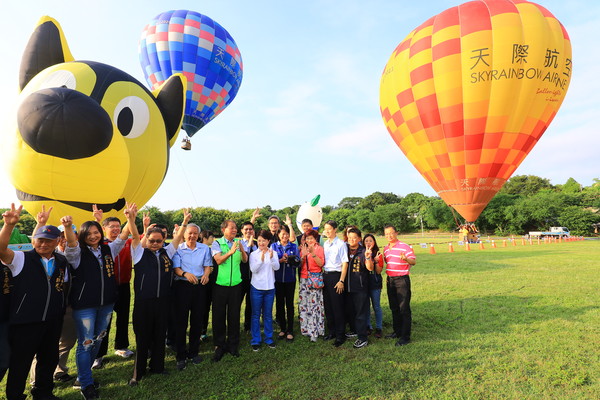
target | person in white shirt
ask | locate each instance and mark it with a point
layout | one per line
(334, 274)
(263, 264)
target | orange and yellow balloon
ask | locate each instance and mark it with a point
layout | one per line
(467, 95)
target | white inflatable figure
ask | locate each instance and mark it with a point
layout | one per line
(310, 210)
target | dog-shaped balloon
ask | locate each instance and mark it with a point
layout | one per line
(87, 133)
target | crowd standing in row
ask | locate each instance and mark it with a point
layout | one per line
(70, 284)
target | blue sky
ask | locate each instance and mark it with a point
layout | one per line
(306, 119)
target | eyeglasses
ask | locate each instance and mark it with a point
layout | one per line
(153, 241)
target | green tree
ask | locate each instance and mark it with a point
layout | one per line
(349, 202)
(526, 185)
(571, 186)
(378, 199)
(438, 215)
(340, 216)
(493, 218)
(393, 214)
(362, 219)
(578, 220)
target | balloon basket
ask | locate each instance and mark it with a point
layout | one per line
(186, 144)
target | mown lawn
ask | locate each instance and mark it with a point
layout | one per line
(507, 323)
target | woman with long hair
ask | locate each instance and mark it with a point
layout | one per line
(310, 300)
(93, 290)
(375, 282)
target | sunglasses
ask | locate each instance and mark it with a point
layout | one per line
(153, 241)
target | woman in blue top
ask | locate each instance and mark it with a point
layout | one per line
(285, 282)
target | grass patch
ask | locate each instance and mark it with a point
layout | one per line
(507, 323)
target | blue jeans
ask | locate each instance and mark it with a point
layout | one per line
(375, 295)
(91, 326)
(262, 303)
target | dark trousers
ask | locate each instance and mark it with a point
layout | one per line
(38, 339)
(207, 304)
(398, 289)
(360, 301)
(171, 325)
(334, 306)
(190, 306)
(284, 305)
(350, 312)
(248, 307)
(150, 326)
(4, 349)
(121, 322)
(226, 316)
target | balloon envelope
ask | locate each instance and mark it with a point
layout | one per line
(195, 45)
(468, 94)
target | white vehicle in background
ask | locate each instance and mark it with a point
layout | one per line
(555, 231)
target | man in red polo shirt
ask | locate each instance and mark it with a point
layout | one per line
(399, 257)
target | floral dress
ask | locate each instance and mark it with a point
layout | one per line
(310, 301)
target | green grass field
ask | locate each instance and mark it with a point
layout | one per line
(507, 323)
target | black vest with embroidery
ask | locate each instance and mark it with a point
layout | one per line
(35, 296)
(153, 275)
(93, 285)
(6, 282)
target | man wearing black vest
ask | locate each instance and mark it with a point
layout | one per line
(36, 308)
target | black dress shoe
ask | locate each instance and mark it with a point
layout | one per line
(391, 336)
(328, 337)
(133, 382)
(235, 353)
(402, 342)
(338, 343)
(219, 353)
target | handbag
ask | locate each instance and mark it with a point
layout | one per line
(315, 280)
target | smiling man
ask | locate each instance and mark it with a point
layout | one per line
(36, 307)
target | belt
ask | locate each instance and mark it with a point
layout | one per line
(332, 272)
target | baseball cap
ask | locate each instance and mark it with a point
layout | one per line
(47, 232)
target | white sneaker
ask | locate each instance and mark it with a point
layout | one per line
(97, 363)
(125, 353)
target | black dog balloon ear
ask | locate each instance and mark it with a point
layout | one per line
(170, 98)
(47, 46)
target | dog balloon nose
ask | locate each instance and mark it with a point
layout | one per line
(64, 123)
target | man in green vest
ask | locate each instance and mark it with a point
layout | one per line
(228, 253)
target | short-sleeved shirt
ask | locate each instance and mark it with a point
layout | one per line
(193, 260)
(395, 265)
(216, 247)
(336, 253)
(138, 252)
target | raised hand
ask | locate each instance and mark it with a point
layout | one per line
(97, 213)
(146, 219)
(67, 221)
(187, 216)
(11, 217)
(256, 213)
(43, 216)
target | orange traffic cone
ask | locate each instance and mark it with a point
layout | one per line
(450, 248)
(503, 242)
(481, 246)
(523, 241)
(538, 240)
(467, 246)
(431, 249)
(514, 242)
(493, 244)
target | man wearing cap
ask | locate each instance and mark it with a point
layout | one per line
(36, 308)
(68, 335)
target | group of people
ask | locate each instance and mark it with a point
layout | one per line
(69, 285)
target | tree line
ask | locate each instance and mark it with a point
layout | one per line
(525, 203)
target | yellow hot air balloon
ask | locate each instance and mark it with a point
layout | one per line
(467, 95)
